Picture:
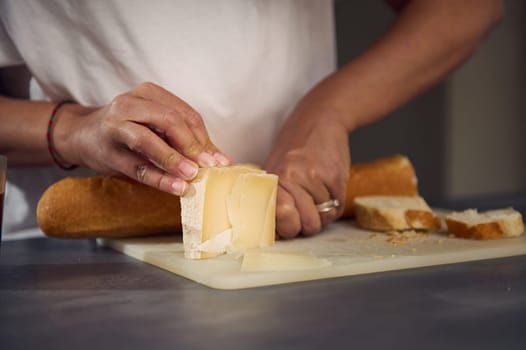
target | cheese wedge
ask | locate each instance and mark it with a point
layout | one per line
(228, 209)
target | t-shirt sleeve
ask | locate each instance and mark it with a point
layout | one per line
(9, 55)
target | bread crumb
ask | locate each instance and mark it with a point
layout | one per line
(440, 241)
(413, 250)
(397, 238)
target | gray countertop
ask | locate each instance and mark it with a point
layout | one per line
(74, 295)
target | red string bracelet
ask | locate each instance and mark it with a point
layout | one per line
(49, 139)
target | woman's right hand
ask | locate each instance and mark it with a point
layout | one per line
(148, 134)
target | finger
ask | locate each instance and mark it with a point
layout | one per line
(153, 176)
(185, 131)
(166, 122)
(192, 118)
(337, 187)
(288, 223)
(330, 215)
(141, 170)
(313, 184)
(146, 143)
(309, 215)
(320, 194)
(196, 124)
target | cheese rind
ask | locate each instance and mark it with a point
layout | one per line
(228, 209)
(217, 244)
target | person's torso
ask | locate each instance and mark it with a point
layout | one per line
(242, 64)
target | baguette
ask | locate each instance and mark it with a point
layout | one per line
(492, 224)
(114, 207)
(399, 213)
(102, 206)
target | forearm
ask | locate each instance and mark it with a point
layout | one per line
(23, 131)
(427, 41)
(23, 123)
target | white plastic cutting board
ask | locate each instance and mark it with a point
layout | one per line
(350, 250)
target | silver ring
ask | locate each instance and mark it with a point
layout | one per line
(141, 172)
(328, 206)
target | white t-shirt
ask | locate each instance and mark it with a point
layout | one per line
(241, 64)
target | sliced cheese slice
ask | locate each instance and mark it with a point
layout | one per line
(228, 209)
(251, 207)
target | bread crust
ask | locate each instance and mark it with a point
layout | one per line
(373, 214)
(485, 231)
(418, 219)
(505, 226)
(103, 206)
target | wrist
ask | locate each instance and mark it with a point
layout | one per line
(342, 117)
(66, 123)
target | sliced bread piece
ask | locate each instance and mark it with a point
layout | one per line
(491, 224)
(386, 213)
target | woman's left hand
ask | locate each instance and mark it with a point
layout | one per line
(312, 159)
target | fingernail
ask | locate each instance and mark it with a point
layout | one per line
(179, 187)
(222, 159)
(206, 159)
(188, 169)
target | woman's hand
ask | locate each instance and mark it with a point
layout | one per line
(147, 134)
(312, 159)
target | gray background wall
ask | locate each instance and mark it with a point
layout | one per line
(466, 136)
